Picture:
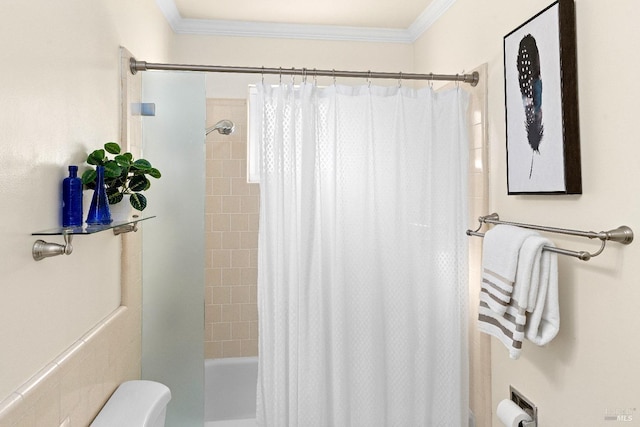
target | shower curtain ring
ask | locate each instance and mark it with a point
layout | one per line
(400, 80)
(315, 77)
(280, 75)
(262, 74)
(431, 80)
(460, 79)
(293, 76)
(333, 73)
(304, 75)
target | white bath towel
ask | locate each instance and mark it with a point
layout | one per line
(500, 250)
(533, 308)
(537, 283)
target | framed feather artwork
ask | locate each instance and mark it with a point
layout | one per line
(541, 101)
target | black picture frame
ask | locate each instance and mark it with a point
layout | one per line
(541, 104)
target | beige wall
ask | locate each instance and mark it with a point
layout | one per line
(231, 230)
(60, 85)
(591, 366)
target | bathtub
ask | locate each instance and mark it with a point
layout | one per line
(230, 392)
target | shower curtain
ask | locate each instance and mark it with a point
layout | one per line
(362, 259)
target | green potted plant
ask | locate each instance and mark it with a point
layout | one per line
(122, 175)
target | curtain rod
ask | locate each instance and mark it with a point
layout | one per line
(135, 66)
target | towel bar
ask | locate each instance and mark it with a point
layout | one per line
(622, 234)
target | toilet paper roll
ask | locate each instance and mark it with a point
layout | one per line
(511, 414)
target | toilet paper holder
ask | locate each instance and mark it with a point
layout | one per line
(526, 405)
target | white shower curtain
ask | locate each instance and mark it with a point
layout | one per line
(362, 268)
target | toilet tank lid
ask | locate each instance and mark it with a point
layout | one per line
(134, 403)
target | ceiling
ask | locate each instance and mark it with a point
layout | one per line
(362, 20)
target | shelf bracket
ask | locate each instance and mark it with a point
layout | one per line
(126, 228)
(42, 249)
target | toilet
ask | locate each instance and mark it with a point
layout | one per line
(138, 403)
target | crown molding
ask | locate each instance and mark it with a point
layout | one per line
(216, 27)
(290, 31)
(428, 17)
(170, 12)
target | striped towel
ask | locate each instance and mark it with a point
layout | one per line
(500, 250)
(508, 328)
(534, 291)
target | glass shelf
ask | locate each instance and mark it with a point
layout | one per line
(42, 249)
(90, 229)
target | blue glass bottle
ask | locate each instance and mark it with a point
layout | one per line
(99, 213)
(72, 199)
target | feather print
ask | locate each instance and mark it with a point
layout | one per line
(531, 90)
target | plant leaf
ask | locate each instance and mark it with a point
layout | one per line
(112, 148)
(138, 201)
(123, 161)
(142, 164)
(114, 182)
(96, 158)
(138, 183)
(154, 173)
(113, 195)
(89, 176)
(111, 169)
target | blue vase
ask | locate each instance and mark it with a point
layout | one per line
(99, 213)
(72, 199)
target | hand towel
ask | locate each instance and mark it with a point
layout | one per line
(500, 250)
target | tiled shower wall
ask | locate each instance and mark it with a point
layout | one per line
(479, 344)
(231, 313)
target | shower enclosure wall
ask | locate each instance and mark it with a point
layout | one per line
(231, 230)
(173, 243)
